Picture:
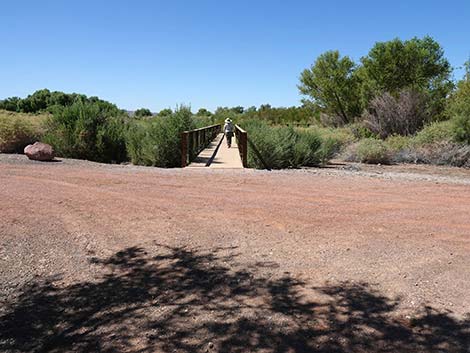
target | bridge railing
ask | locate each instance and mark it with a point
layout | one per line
(194, 141)
(242, 142)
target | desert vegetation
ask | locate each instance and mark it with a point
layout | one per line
(398, 104)
(156, 142)
(89, 128)
(19, 129)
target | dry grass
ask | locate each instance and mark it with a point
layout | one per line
(19, 129)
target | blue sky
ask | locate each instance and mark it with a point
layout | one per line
(205, 53)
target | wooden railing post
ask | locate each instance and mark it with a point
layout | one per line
(184, 149)
(242, 141)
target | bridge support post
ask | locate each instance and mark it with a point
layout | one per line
(244, 143)
(184, 148)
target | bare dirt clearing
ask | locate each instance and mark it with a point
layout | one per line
(120, 258)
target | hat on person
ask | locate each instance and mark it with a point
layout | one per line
(228, 120)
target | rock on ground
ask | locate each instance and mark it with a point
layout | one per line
(39, 152)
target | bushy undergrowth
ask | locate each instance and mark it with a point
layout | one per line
(19, 130)
(156, 142)
(438, 153)
(286, 147)
(86, 130)
(431, 134)
(459, 109)
(372, 151)
(337, 137)
(359, 131)
(396, 143)
(434, 144)
(435, 132)
(203, 121)
(461, 124)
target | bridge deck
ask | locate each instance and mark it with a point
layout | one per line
(218, 155)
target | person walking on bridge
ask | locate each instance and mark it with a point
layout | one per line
(228, 131)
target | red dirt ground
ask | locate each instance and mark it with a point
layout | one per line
(121, 258)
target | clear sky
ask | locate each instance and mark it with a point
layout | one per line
(205, 53)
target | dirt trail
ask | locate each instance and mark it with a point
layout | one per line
(143, 259)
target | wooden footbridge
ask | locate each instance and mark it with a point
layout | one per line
(207, 148)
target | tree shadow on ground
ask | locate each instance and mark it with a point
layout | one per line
(186, 300)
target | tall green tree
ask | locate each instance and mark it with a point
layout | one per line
(35, 102)
(415, 64)
(165, 112)
(332, 85)
(203, 112)
(11, 104)
(142, 112)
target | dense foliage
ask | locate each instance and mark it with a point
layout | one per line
(45, 100)
(334, 87)
(342, 89)
(294, 116)
(415, 63)
(19, 130)
(372, 151)
(459, 108)
(142, 112)
(156, 142)
(87, 130)
(285, 147)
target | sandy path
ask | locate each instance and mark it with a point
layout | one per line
(334, 260)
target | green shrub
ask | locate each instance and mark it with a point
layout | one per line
(202, 121)
(459, 109)
(137, 141)
(397, 143)
(338, 138)
(308, 149)
(10, 104)
(461, 124)
(19, 130)
(157, 142)
(415, 149)
(373, 151)
(360, 131)
(433, 145)
(91, 131)
(142, 113)
(286, 147)
(434, 132)
(328, 149)
(275, 144)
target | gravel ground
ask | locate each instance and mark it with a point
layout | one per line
(348, 258)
